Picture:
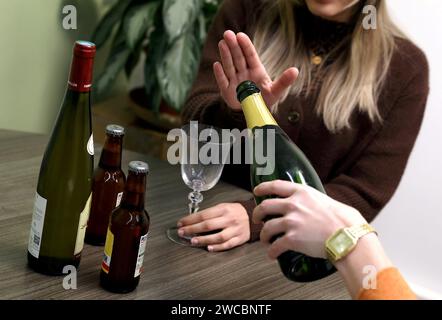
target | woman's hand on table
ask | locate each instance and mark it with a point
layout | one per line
(308, 218)
(230, 219)
(240, 62)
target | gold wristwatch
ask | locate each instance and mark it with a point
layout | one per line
(343, 241)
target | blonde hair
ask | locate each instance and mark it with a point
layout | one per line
(353, 81)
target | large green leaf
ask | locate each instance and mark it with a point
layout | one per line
(156, 51)
(155, 95)
(138, 20)
(132, 60)
(117, 60)
(200, 29)
(210, 8)
(109, 21)
(178, 69)
(179, 16)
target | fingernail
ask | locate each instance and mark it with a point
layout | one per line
(181, 232)
(209, 248)
(179, 224)
(194, 241)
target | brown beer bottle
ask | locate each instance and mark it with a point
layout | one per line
(127, 235)
(107, 186)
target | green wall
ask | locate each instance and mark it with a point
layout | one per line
(35, 53)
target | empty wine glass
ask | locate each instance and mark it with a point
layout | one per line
(203, 154)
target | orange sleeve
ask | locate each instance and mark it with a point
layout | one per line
(390, 285)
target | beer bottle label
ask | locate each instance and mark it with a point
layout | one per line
(119, 197)
(140, 257)
(108, 251)
(38, 217)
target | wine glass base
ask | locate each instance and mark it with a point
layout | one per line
(172, 234)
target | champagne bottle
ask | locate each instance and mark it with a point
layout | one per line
(107, 186)
(127, 235)
(290, 164)
(63, 197)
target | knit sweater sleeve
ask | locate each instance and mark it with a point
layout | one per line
(371, 181)
(390, 285)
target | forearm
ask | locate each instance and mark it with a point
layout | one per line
(363, 263)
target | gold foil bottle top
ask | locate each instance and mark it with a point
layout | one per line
(254, 107)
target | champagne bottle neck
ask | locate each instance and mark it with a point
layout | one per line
(112, 153)
(256, 112)
(134, 192)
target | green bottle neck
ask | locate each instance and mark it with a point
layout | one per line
(76, 99)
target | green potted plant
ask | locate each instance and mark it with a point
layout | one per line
(172, 34)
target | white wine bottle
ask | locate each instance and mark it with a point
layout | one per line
(290, 164)
(63, 197)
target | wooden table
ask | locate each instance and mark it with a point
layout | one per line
(171, 271)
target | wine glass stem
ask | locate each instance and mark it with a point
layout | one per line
(195, 198)
(193, 207)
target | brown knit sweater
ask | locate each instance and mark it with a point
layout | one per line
(361, 166)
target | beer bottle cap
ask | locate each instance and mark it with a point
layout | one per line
(115, 130)
(138, 167)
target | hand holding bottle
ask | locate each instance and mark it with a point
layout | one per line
(309, 218)
(240, 62)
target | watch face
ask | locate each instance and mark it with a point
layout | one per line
(341, 243)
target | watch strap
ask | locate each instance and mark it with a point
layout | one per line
(360, 230)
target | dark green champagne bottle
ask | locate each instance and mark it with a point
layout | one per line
(290, 164)
(63, 197)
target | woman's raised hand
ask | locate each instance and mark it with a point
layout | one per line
(240, 62)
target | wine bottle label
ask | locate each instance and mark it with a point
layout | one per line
(90, 145)
(140, 257)
(38, 217)
(109, 244)
(82, 224)
(119, 197)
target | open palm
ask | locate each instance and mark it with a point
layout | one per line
(240, 62)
